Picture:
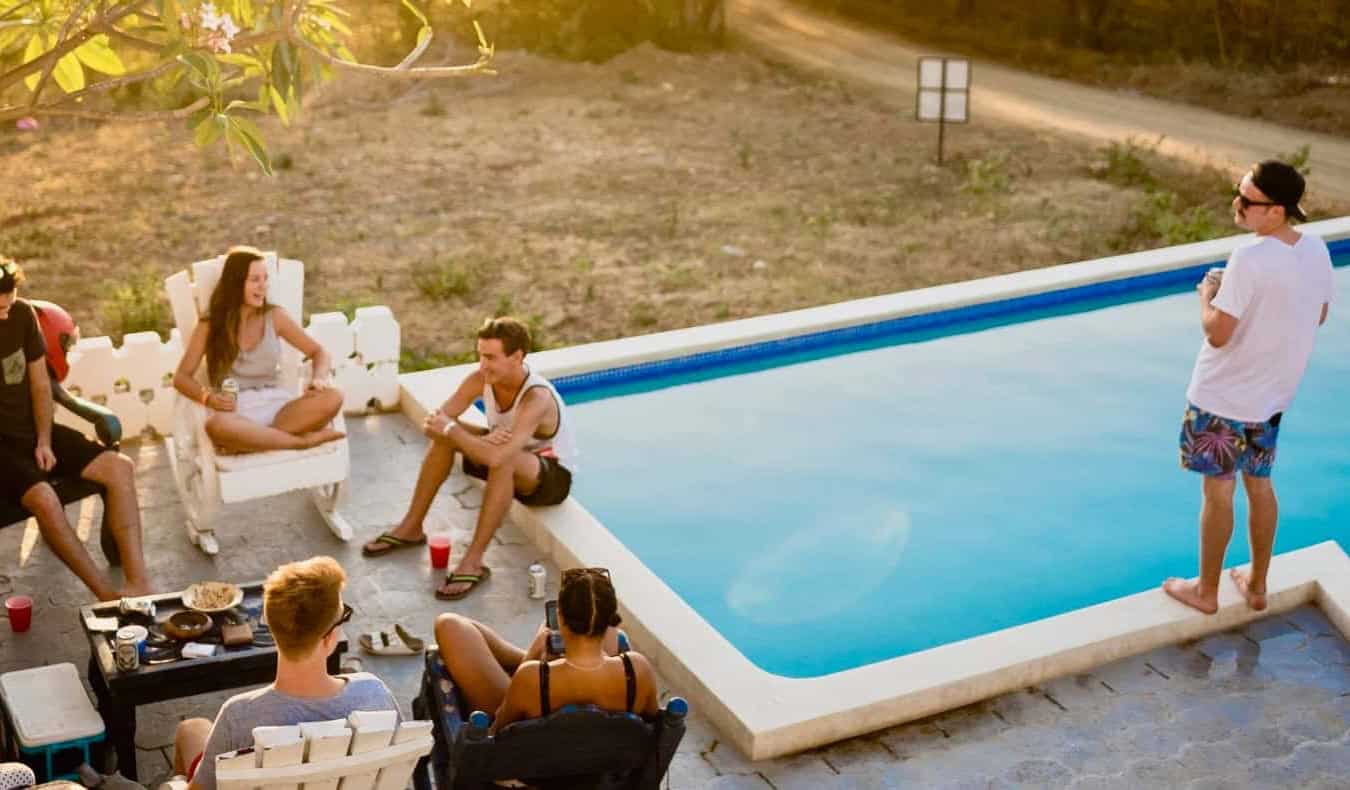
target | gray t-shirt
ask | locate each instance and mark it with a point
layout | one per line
(267, 707)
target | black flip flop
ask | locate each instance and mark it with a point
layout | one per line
(394, 542)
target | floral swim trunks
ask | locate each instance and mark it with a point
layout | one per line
(1219, 447)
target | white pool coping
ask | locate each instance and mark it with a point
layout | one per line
(767, 715)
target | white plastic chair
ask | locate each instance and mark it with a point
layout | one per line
(206, 480)
(366, 751)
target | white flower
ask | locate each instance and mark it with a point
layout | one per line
(218, 42)
(210, 19)
(228, 27)
(220, 28)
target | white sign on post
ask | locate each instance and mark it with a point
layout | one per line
(943, 94)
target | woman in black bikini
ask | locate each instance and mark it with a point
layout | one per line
(496, 676)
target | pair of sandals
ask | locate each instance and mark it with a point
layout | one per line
(399, 643)
(395, 543)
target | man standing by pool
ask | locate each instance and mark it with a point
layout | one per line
(1260, 319)
(526, 450)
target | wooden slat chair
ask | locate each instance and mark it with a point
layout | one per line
(577, 746)
(108, 429)
(368, 750)
(206, 480)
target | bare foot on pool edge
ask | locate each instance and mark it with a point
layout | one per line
(1243, 580)
(316, 438)
(1188, 592)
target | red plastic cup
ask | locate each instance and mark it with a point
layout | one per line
(20, 609)
(439, 546)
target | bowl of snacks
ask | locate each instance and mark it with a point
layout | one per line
(213, 597)
(187, 625)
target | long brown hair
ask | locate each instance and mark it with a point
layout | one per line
(227, 300)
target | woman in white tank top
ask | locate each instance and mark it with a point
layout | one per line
(240, 339)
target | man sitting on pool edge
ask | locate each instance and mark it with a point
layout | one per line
(526, 450)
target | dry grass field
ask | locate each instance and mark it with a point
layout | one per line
(652, 192)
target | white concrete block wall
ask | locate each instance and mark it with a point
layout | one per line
(136, 380)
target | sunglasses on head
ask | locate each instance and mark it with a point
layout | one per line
(1247, 202)
(347, 612)
(576, 573)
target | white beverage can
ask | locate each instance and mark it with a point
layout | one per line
(127, 648)
(538, 580)
(230, 387)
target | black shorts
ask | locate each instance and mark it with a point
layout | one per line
(19, 470)
(555, 481)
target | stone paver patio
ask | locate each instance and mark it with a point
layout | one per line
(1264, 706)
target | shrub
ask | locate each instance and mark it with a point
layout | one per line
(136, 306)
(988, 176)
(447, 277)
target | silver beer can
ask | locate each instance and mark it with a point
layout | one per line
(141, 606)
(127, 648)
(538, 580)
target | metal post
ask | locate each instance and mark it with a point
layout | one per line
(942, 108)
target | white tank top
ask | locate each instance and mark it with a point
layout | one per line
(560, 445)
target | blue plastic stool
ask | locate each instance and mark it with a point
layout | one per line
(47, 712)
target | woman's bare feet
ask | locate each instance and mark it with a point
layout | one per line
(1243, 580)
(316, 438)
(1188, 592)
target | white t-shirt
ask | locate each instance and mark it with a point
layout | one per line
(1276, 291)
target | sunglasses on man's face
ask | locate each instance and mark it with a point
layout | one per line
(347, 612)
(1247, 202)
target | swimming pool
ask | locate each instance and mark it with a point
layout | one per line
(872, 498)
(669, 477)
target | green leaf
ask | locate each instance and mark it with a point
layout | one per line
(99, 56)
(208, 131)
(417, 12)
(240, 104)
(69, 74)
(240, 59)
(195, 119)
(36, 46)
(242, 132)
(281, 68)
(283, 112)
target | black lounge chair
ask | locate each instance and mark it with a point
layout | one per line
(574, 747)
(72, 489)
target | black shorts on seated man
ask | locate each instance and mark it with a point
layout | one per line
(34, 450)
(526, 451)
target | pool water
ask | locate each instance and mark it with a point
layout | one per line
(883, 499)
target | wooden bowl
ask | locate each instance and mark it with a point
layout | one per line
(187, 625)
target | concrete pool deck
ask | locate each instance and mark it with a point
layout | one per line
(1264, 705)
(767, 715)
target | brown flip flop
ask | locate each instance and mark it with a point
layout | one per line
(393, 542)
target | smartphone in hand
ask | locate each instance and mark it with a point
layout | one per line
(555, 640)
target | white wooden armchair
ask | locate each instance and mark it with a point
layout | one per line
(366, 751)
(207, 480)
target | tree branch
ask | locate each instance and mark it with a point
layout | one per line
(60, 39)
(63, 109)
(61, 50)
(130, 40)
(401, 70)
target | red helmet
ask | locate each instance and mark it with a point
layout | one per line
(60, 332)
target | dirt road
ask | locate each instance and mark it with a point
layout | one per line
(854, 52)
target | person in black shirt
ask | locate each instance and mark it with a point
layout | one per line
(33, 449)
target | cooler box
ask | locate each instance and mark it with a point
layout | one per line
(49, 719)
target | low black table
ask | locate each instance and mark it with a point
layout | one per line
(120, 692)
